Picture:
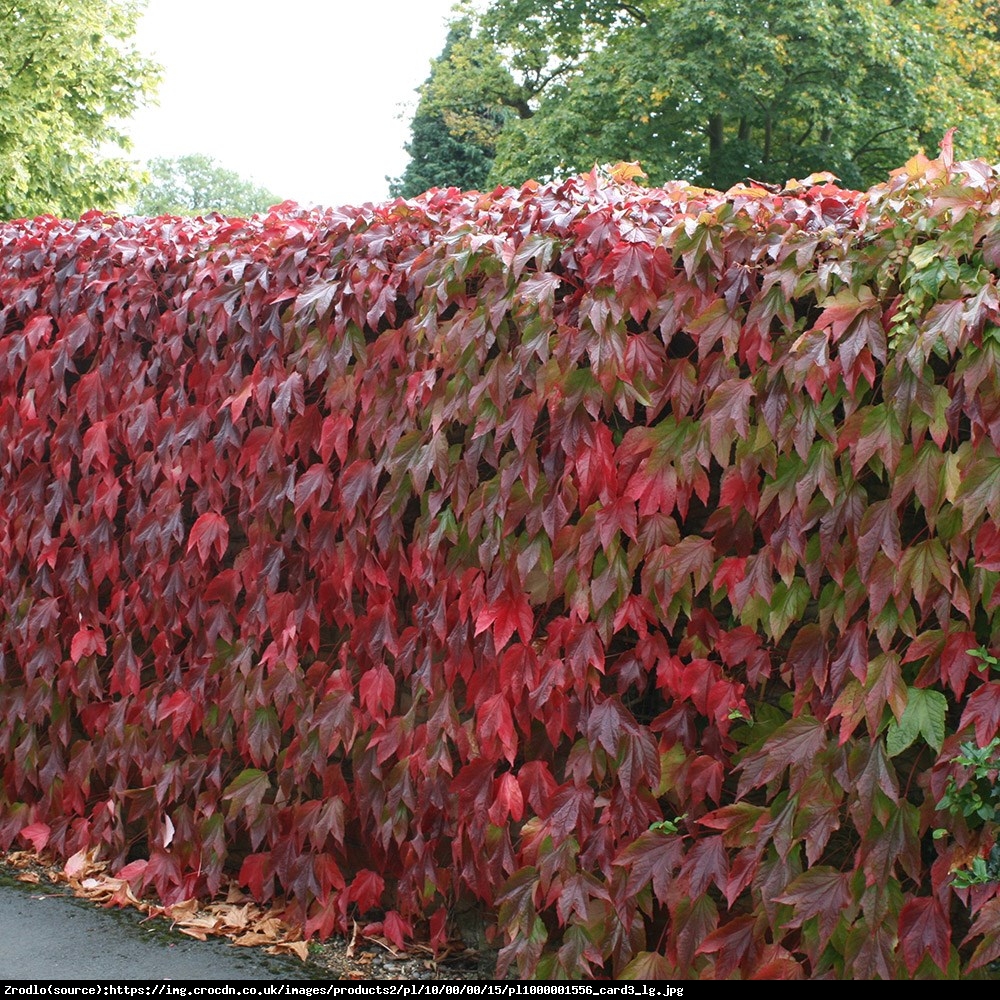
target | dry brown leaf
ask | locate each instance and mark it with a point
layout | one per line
(182, 911)
(251, 939)
(31, 877)
(299, 948)
(233, 918)
(234, 894)
(79, 863)
(194, 932)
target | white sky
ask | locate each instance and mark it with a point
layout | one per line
(310, 98)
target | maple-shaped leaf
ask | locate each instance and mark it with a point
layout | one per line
(313, 487)
(717, 322)
(210, 531)
(397, 929)
(36, 834)
(731, 944)
(179, 708)
(509, 612)
(246, 791)
(652, 858)
(982, 710)
(257, 874)
(494, 720)
(879, 531)
(648, 965)
(924, 716)
(86, 642)
(508, 800)
(875, 783)
(956, 662)
(606, 723)
(924, 564)
(727, 413)
(793, 745)
(896, 842)
(619, 515)
(987, 546)
(979, 491)
(705, 863)
(366, 890)
(777, 963)
(881, 435)
(737, 822)
(987, 925)
(924, 928)
(821, 892)
(884, 685)
(378, 691)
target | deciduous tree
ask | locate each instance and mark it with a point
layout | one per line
(196, 185)
(715, 91)
(69, 75)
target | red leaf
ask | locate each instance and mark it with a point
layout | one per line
(493, 719)
(247, 790)
(508, 800)
(210, 530)
(133, 870)
(95, 445)
(794, 745)
(313, 487)
(181, 706)
(366, 890)
(731, 944)
(378, 691)
(617, 516)
(983, 711)
(727, 411)
(879, 530)
(821, 891)
(507, 613)
(86, 642)
(396, 929)
(705, 863)
(256, 872)
(987, 546)
(987, 924)
(652, 858)
(924, 928)
(37, 834)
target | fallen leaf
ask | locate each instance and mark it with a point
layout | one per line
(299, 948)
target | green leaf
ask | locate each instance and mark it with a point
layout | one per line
(246, 791)
(787, 605)
(924, 716)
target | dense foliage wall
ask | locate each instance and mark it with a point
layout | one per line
(623, 559)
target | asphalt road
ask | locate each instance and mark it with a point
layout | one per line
(46, 935)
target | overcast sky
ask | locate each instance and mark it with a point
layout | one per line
(302, 96)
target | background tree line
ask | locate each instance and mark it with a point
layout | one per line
(70, 77)
(711, 91)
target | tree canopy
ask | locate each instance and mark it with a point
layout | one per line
(439, 156)
(196, 185)
(69, 76)
(715, 91)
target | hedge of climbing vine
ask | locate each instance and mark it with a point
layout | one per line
(621, 561)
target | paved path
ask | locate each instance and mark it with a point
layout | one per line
(46, 935)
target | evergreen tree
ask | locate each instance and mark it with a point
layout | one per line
(442, 155)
